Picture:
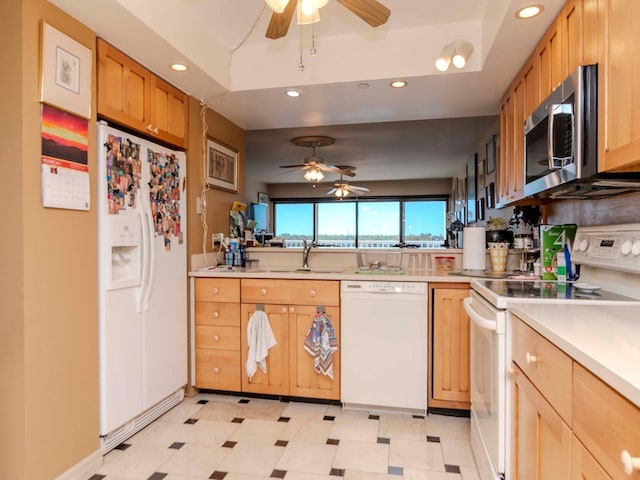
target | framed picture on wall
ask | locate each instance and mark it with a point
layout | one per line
(491, 195)
(471, 188)
(263, 197)
(481, 176)
(491, 154)
(65, 72)
(222, 166)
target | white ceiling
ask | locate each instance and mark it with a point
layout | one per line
(386, 133)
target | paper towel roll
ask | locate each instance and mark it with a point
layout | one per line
(474, 255)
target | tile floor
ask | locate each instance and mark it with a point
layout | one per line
(214, 436)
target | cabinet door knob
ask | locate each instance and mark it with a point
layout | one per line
(215, 290)
(215, 314)
(529, 358)
(155, 130)
(216, 370)
(263, 291)
(284, 310)
(312, 293)
(629, 463)
(292, 310)
(216, 338)
(510, 372)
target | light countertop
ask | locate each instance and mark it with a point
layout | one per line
(331, 273)
(603, 338)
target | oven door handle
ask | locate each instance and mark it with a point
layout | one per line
(482, 322)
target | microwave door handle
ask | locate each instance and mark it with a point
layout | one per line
(550, 126)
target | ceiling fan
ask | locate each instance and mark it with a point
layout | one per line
(314, 164)
(342, 189)
(371, 11)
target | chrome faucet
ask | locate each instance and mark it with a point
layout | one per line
(306, 249)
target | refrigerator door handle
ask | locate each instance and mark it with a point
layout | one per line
(142, 295)
(151, 260)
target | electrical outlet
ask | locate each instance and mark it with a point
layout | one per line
(217, 239)
(199, 205)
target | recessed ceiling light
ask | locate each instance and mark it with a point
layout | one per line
(529, 11)
(363, 86)
(179, 67)
(398, 84)
(293, 92)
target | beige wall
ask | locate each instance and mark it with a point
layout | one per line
(218, 201)
(49, 327)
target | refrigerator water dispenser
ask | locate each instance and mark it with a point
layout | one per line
(124, 268)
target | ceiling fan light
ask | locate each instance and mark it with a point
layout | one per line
(341, 192)
(307, 12)
(277, 6)
(462, 55)
(313, 175)
(444, 60)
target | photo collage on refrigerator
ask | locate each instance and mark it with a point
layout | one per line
(164, 195)
(124, 169)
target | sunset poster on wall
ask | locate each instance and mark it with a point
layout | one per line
(65, 171)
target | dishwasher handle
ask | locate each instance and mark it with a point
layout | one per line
(482, 322)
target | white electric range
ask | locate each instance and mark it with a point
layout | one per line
(609, 263)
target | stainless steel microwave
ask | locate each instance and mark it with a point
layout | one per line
(561, 134)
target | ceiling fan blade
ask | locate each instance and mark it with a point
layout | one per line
(354, 189)
(371, 11)
(332, 191)
(279, 24)
(301, 165)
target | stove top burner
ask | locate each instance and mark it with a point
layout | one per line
(550, 290)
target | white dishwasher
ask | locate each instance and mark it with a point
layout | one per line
(384, 344)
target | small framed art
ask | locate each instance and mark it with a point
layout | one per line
(222, 166)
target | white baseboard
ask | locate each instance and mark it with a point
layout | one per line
(85, 468)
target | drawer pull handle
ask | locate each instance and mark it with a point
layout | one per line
(216, 338)
(629, 463)
(215, 290)
(263, 291)
(215, 314)
(216, 370)
(530, 358)
(284, 310)
(312, 293)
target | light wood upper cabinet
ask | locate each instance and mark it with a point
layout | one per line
(550, 55)
(618, 80)
(511, 159)
(131, 95)
(450, 358)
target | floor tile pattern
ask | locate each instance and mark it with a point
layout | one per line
(213, 436)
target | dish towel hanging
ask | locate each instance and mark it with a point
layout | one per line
(260, 339)
(320, 343)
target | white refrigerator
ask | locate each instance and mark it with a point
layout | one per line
(143, 282)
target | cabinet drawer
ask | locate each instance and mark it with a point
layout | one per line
(315, 292)
(218, 369)
(548, 368)
(256, 290)
(217, 290)
(605, 422)
(217, 313)
(219, 338)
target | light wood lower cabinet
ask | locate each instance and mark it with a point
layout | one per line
(217, 333)
(542, 440)
(583, 465)
(567, 423)
(290, 369)
(449, 334)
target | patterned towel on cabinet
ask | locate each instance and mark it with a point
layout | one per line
(320, 343)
